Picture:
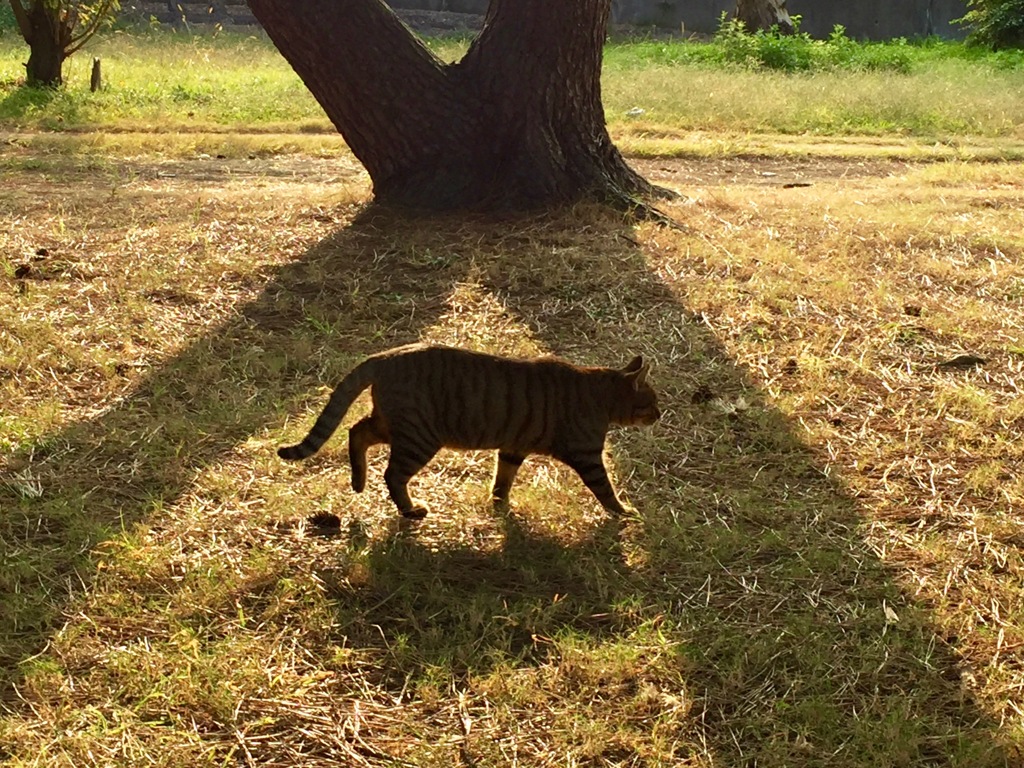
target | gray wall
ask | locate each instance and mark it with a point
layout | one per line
(868, 19)
(863, 19)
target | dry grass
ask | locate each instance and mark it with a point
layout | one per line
(826, 565)
(101, 151)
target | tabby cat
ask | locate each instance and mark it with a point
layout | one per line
(430, 397)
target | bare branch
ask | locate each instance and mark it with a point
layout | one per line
(66, 20)
(96, 18)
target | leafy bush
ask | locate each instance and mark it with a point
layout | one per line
(995, 23)
(7, 21)
(799, 52)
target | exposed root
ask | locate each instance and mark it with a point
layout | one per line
(639, 209)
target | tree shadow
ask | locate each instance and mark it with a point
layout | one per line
(805, 648)
(745, 552)
(101, 476)
(799, 645)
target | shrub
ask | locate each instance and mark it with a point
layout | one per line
(799, 52)
(995, 23)
(7, 22)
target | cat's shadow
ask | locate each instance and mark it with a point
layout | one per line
(474, 608)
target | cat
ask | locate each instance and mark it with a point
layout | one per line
(429, 397)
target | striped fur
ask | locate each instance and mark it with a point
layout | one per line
(428, 397)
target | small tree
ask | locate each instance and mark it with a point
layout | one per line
(54, 30)
(995, 23)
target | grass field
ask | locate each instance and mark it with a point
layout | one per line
(825, 565)
(183, 83)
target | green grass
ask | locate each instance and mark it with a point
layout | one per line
(164, 80)
(924, 105)
(947, 89)
(183, 83)
(732, 46)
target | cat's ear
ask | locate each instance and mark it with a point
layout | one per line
(636, 372)
(634, 365)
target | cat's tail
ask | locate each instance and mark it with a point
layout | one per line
(358, 379)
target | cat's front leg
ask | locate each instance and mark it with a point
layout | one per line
(408, 456)
(505, 475)
(590, 467)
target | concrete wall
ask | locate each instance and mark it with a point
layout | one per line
(863, 19)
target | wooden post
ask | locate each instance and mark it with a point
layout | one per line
(96, 80)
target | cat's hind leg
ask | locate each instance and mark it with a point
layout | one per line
(368, 432)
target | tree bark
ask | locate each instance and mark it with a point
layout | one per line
(21, 18)
(517, 123)
(764, 14)
(46, 40)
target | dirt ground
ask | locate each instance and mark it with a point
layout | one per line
(787, 171)
(768, 171)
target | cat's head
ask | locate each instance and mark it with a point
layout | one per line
(639, 403)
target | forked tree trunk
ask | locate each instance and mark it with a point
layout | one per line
(48, 35)
(764, 14)
(517, 123)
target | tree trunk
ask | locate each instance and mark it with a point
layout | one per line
(764, 14)
(47, 30)
(517, 123)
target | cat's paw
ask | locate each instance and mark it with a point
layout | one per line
(629, 511)
(416, 512)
